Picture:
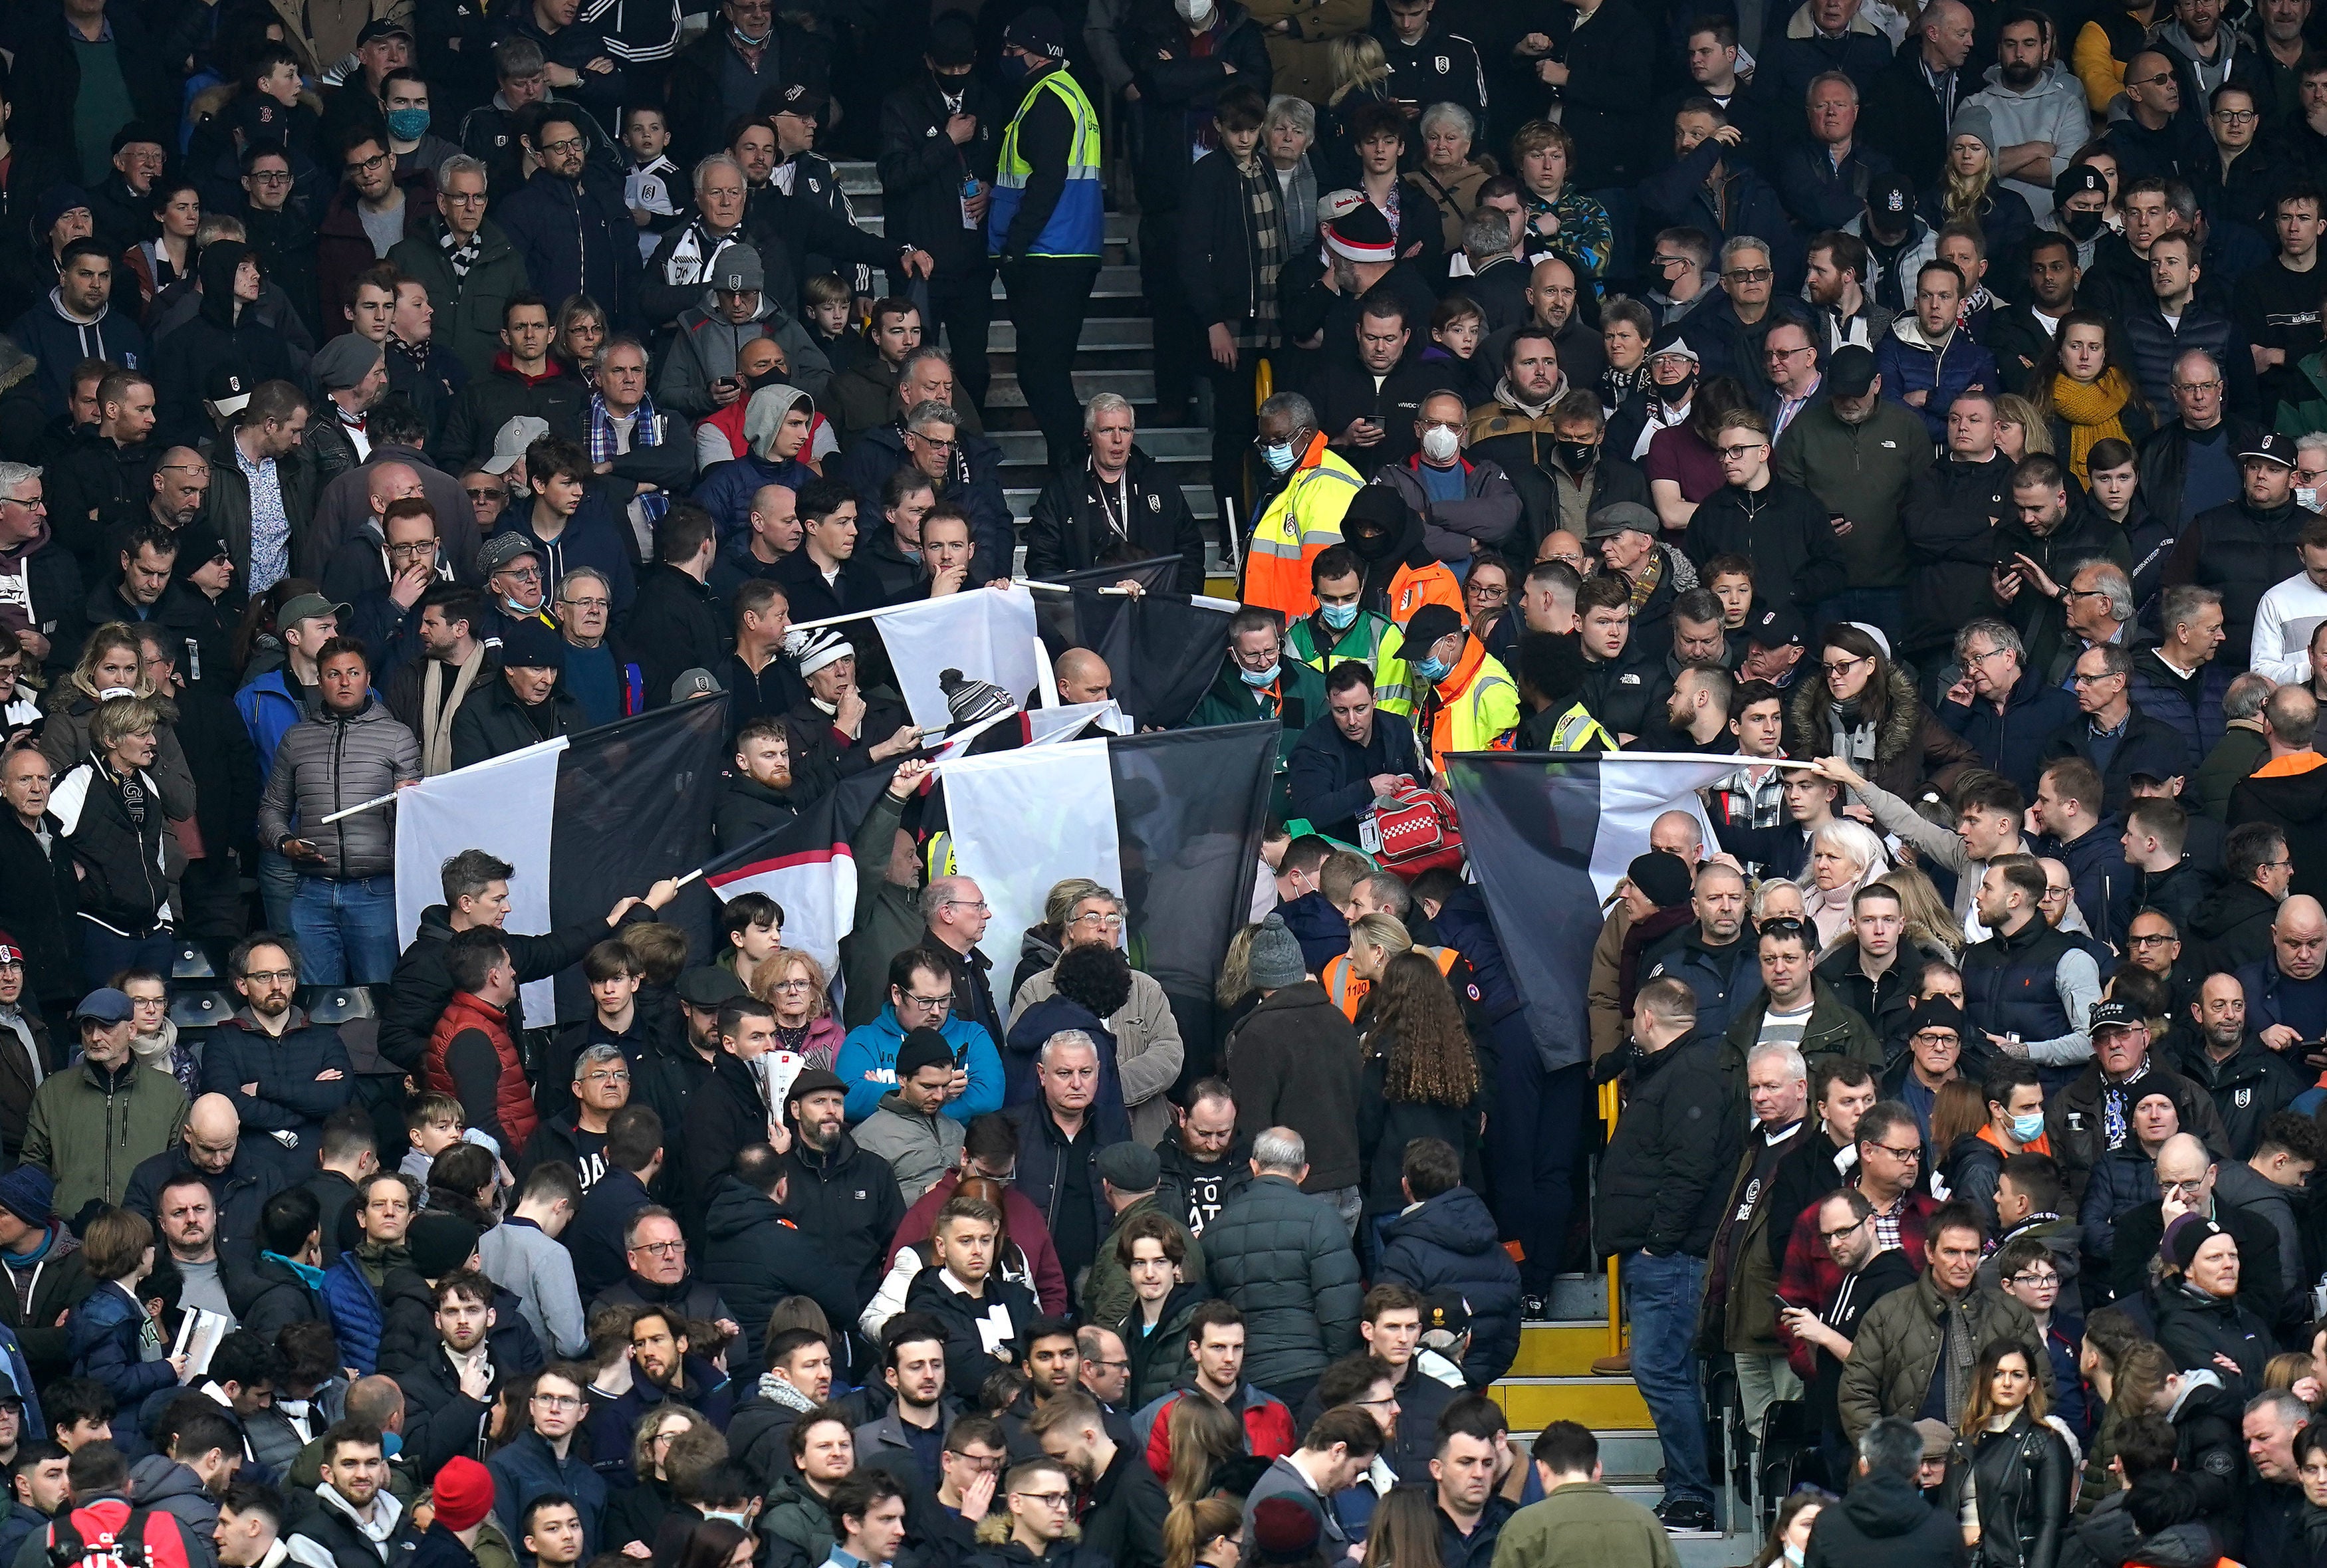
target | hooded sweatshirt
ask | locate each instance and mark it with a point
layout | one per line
(2051, 108)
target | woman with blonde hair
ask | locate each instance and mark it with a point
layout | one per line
(1969, 191)
(1844, 854)
(659, 1443)
(2021, 427)
(1930, 924)
(793, 983)
(112, 665)
(580, 331)
(1205, 1533)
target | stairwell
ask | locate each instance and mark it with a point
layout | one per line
(1117, 355)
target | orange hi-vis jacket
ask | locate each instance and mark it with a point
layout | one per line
(1296, 526)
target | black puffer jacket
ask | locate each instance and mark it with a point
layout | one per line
(2241, 551)
(292, 1098)
(2024, 1477)
(2194, 1327)
(756, 1256)
(1283, 1258)
(421, 988)
(124, 878)
(1452, 1242)
(1661, 1185)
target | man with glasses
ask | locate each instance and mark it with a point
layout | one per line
(2116, 739)
(2187, 1178)
(1728, 331)
(658, 1276)
(466, 262)
(2092, 1117)
(1819, 1331)
(2005, 710)
(368, 215)
(1790, 364)
(1148, 1051)
(541, 1463)
(1784, 529)
(955, 915)
(567, 220)
(2250, 1083)
(601, 1086)
(1040, 1496)
(41, 586)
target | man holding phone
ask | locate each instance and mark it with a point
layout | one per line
(1430, 64)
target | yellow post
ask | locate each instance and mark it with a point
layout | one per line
(1610, 1103)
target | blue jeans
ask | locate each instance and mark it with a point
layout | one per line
(1661, 1295)
(277, 882)
(346, 931)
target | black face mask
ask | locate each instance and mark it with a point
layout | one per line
(2081, 226)
(1678, 391)
(952, 84)
(1576, 456)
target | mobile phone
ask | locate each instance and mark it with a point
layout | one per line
(1784, 1306)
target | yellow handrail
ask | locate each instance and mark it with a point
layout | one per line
(1610, 1104)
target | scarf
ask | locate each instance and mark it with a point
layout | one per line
(774, 1388)
(606, 445)
(1854, 733)
(2094, 414)
(2116, 1100)
(377, 1257)
(307, 1272)
(437, 707)
(1265, 227)
(1651, 573)
(1958, 1351)
(461, 253)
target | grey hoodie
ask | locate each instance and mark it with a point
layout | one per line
(2050, 109)
(706, 344)
(159, 1482)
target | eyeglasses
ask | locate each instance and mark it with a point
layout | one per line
(944, 1001)
(567, 145)
(464, 198)
(1662, 262)
(1904, 1156)
(1780, 355)
(661, 1249)
(2236, 117)
(2082, 593)
(1983, 657)
(1831, 1237)
(1101, 921)
(2036, 1281)
(2214, 386)
(587, 604)
(1841, 667)
(2160, 80)
(558, 1401)
(1737, 453)
(607, 1076)
(522, 573)
(978, 905)
(2150, 941)
(2181, 1189)
(270, 176)
(1047, 1500)
(417, 547)
(272, 977)
(487, 495)
(988, 1464)
(2082, 679)
(366, 165)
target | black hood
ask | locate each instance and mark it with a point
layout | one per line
(221, 260)
(1886, 1506)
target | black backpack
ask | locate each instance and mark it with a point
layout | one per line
(126, 1550)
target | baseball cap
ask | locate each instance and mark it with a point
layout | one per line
(1890, 204)
(520, 431)
(1775, 626)
(309, 607)
(227, 391)
(2271, 447)
(692, 684)
(1850, 372)
(527, 644)
(2114, 1015)
(382, 28)
(1428, 624)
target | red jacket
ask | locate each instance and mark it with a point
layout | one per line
(513, 1105)
(165, 1546)
(1809, 1279)
(1267, 1429)
(1020, 1218)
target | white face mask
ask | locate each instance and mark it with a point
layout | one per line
(2309, 499)
(1440, 444)
(1194, 13)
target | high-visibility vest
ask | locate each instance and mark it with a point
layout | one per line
(1471, 710)
(1077, 227)
(1416, 586)
(1299, 524)
(1367, 642)
(1348, 989)
(1576, 727)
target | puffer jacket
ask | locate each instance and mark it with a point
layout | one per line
(104, 1338)
(124, 863)
(355, 1314)
(327, 762)
(2241, 552)
(292, 1097)
(1159, 1359)
(2022, 1477)
(2120, 1181)
(1725, 979)
(1660, 1178)
(755, 1257)
(1909, 361)
(867, 1064)
(706, 345)
(1897, 1348)
(1451, 1242)
(1283, 1258)
(918, 1148)
(1910, 747)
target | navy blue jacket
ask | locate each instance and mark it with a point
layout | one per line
(2010, 987)
(2148, 745)
(575, 237)
(1331, 778)
(1025, 1042)
(2103, 881)
(1318, 927)
(1725, 979)
(291, 1099)
(1452, 1241)
(2195, 709)
(526, 1468)
(2012, 742)
(1042, 1155)
(595, 1238)
(102, 1338)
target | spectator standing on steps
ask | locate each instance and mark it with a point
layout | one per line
(1046, 224)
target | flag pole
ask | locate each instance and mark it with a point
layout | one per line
(354, 810)
(1046, 679)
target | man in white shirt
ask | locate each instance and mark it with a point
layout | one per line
(2291, 611)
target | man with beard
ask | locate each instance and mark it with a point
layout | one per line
(426, 694)
(448, 1398)
(2039, 114)
(1818, 1337)
(187, 1218)
(842, 1197)
(1127, 1504)
(911, 1438)
(662, 1371)
(1204, 1163)
(357, 1514)
(241, 1177)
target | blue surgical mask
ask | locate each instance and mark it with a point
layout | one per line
(1340, 617)
(407, 124)
(1257, 678)
(1279, 457)
(1794, 1555)
(2027, 1129)
(1432, 668)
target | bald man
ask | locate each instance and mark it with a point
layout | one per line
(1084, 677)
(241, 1178)
(2289, 791)
(346, 503)
(1676, 833)
(1906, 113)
(2286, 993)
(359, 565)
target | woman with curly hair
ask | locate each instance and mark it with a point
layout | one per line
(1860, 707)
(1420, 1073)
(2087, 391)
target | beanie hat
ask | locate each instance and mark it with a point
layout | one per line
(29, 1193)
(1976, 119)
(971, 701)
(817, 647)
(56, 201)
(1282, 1531)
(440, 1243)
(923, 1047)
(1936, 1012)
(527, 644)
(463, 1492)
(1662, 878)
(737, 270)
(1276, 960)
(344, 361)
(1363, 234)
(2184, 1237)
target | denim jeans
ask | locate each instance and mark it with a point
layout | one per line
(277, 882)
(346, 931)
(1661, 1295)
